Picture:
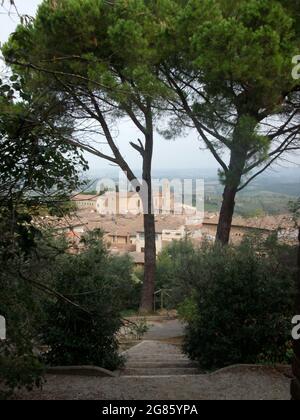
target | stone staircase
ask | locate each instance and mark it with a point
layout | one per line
(153, 358)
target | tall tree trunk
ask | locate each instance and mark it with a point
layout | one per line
(233, 179)
(147, 299)
(295, 387)
(226, 215)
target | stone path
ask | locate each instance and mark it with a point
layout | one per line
(165, 330)
(159, 371)
(153, 358)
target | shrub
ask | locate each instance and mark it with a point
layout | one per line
(19, 367)
(188, 310)
(84, 332)
(125, 282)
(244, 305)
(175, 271)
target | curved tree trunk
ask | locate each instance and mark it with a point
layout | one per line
(295, 387)
(226, 215)
(233, 179)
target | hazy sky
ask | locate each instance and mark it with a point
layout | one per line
(182, 153)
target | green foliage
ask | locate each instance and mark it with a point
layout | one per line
(230, 70)
(244, 300)
(37, 172)
(187, 310)
(138, 329)
(126, 285)
(110, 48)
(84, 333)
(175, 271)
(19, 367)
(251, 43)
(36, 158)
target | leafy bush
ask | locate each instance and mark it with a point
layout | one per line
(84, 332)
(125, 282)
(244, 304)
(175, 271)
(138, 329)
(19, 367)
(187, 310)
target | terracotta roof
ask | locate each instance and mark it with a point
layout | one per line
(271, 223)
(171, 222)
(49, 222)
(84, 197)
(128, 225)
(138, 257)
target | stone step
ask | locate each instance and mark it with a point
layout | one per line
(156, 361)
(151, 318)
(156, 357)
(176, 371)
(161, 364)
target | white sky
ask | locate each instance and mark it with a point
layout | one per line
(182, 153)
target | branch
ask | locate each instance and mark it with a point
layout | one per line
(285, 149)
(198, 125)
(134, 119)
(52, 292)
(140, 148)
(91, 150)
(118, 157)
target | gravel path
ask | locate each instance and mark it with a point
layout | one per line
(236, 383)
(164, 330)
(240, 383)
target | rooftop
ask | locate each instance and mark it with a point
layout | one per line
(85, 197)
(270, 223)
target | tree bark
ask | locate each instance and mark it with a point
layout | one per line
(233, 179)
(147, 299)
(226, 215)
(295, 386)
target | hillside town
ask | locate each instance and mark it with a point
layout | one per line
(120, 218)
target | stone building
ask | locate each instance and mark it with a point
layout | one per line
(112, 203)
